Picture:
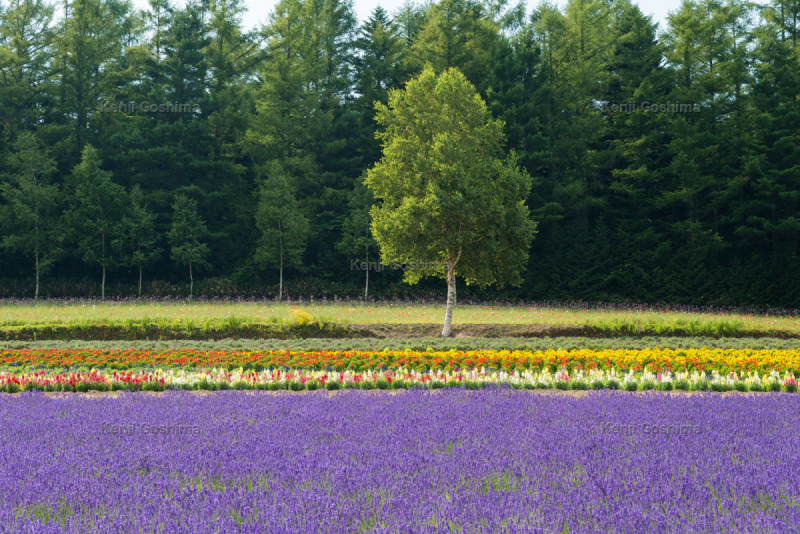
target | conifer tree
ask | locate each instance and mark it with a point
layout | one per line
(31, 215)
(186, 235)
(97, 210)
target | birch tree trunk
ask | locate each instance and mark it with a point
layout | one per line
(37, 252)
(103, 285)
(280, 285)
(451, 295)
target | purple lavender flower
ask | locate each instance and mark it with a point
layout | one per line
(445, 461)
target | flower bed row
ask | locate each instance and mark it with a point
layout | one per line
(655, 360)
(403, 378)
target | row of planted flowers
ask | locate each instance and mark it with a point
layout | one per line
(401, 378)
(656, 360)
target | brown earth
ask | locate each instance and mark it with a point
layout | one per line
(575, 394)
(523, 331)
(348, 331)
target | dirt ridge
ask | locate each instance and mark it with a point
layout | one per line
(101, 332)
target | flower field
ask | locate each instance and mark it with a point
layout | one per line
(495, 461)
(667, 369)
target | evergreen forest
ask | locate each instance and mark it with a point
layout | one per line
(174, 151)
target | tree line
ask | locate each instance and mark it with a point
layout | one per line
(171, 143)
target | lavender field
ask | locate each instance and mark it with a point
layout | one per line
(446, 461)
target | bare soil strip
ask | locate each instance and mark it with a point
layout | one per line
(575, 394)
(352, 331)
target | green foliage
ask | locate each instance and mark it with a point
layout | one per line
(137, 237)
(98, 207)
(283, 227)
(443, 188)
(185, 235)
(30, 218)
(693, 207)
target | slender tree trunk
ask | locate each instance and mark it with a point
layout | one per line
(455, 300)
(451, 295)
(140, 281)
(37, 276)
(36, 251)
(103, 284)
(191, 281)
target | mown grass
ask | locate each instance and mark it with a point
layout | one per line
(217, 316)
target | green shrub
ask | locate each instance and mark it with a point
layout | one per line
(790, 388)
(578, 385)
(562, 385)
(382, 383)
(240, 385)
(740, 386)
(332, 385)
(544, 385)
(631, 386)
(774, 386)
(719, 387)
(664, 386)
(312, 385)
(399, 384)
(682, 385)
(350, 385)
(368, 384)
(701, 385)
(756, 386)
(647, 385)
(81, 387)
(296, 385)
(597, 384)
(613, 384)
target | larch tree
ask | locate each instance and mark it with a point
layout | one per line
(282, 225)
(137, 236)
(357, 239)
(99, 204)
(32, 203)
(185, 235)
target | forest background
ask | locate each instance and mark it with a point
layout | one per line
(666, 161)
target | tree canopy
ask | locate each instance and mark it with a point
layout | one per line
(664, 159)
